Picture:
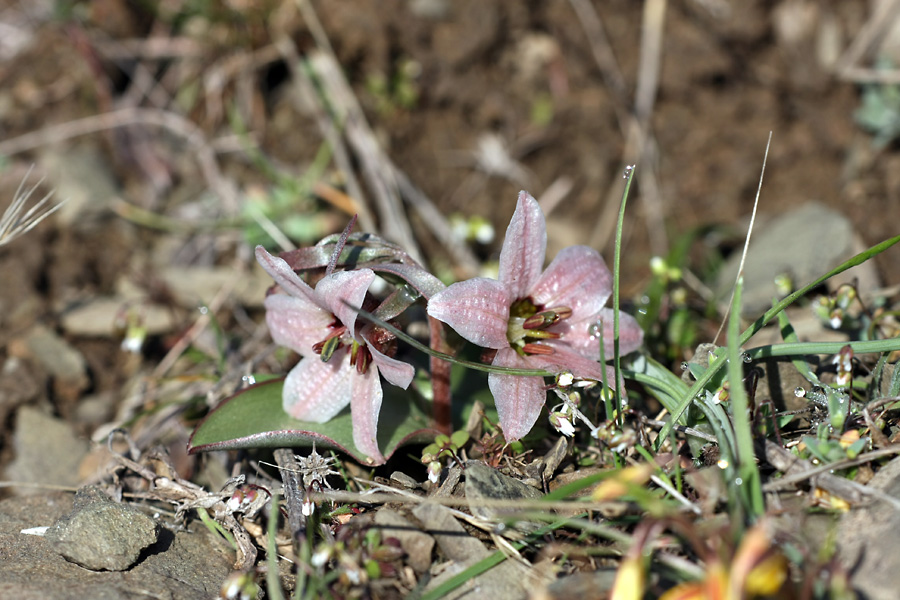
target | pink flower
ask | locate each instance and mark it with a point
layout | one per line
(340, 366)
(537, 320)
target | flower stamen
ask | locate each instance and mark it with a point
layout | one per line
(535, 348)
(360, 357)
(529, 322)
(327, 347)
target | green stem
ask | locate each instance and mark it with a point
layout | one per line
(801, 348)
(617, 259)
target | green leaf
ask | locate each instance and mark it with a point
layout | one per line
(459, 438)
(253, 418)
(664, 385)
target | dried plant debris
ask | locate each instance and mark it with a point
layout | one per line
(16, 221)
(235, 501)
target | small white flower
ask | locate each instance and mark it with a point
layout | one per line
(133, 343)
(434, 472)
(320, 557)
(308, 507)
(562, 424)
(234, 503)
(354, 575)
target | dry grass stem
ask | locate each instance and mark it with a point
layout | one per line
(14, 223)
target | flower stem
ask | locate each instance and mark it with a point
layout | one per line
(440, 380)
(617, 259)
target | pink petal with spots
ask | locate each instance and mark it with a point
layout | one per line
(285, 277)
(365, 405)
(316, 391)
(395, 371)
(582, 337)
(522, 255)
(342, 288)
(578, 279)
(478, 309)
(296, 322)
(518, 399)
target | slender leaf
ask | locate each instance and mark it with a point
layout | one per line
(748, 488)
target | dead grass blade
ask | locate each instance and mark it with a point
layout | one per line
(14, 223)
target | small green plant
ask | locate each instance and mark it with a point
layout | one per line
(398, 91)
(444, 449)
(879, 112)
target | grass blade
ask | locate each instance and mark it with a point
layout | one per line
(748, 485)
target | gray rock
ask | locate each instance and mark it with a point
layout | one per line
(485, 483)
(57, 356)
(84, 179)
(18, 385)
(866, 546)
(595, 584)
(100, 317)
(506, 581)
(804, 243)
(47, 451)
(192, 286)
(417, 545)
(182, 566)
(100, 534)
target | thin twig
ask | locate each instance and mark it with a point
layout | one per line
(381, 180)
(175, 123)
(462, 255)
(790, 480)
(375, 165)
(327, 128)
(871, 34)
(639, 144)
(798, 469)
(293, 492)
(644, 100)
(605, 58)
(406, 497)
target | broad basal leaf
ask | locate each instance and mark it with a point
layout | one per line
(253, 418)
